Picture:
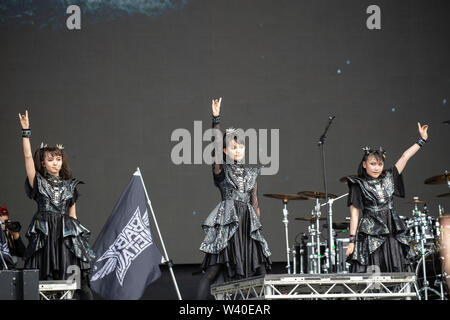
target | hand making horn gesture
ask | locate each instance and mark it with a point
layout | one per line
(423, 131)
(24, 121)
(216, 107)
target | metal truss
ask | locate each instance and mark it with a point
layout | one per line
(320, 286)
(57, 289)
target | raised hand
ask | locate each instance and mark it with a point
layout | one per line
(423, 131)
(216, 107)
(24, 120)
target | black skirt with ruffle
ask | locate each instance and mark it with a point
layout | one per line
(243, 255)
(56, 242)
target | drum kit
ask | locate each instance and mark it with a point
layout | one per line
(429, 237)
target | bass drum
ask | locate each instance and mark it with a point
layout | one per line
(433, 267)
(444, 244)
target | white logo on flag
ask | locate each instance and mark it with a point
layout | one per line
(4, 249)
(129, 244)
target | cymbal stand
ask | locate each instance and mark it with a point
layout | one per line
(316, 213)
(286, 222)
(332, 248)
(312, 258)
(420, 232)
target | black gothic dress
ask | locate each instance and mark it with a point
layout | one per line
(56, 240)
(233, 231)
(380, 240)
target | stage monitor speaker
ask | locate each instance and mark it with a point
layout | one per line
(9, 284)
(30, 284)
(19, 285)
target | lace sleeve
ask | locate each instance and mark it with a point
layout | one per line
(217, 168)
(255, 200)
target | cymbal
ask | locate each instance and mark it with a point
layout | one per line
(416, 201)
(310, 219)
(285, 197)
(341, 225)
(316, 195)
(344, 179)
(444, 195)
(439, 179)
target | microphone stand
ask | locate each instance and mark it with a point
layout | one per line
(321, 144)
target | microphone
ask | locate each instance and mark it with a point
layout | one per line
(322, 137)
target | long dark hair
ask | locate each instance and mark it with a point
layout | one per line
(238, 138)
(379, 154)
(39, 157)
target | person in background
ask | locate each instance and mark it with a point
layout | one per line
(12, 235)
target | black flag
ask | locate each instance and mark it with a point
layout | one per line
(6, 261)
(127, 257)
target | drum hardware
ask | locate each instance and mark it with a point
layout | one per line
(315, 255)
(423, 231)
(294, 258)
(315, 258)
(285, 198)
(326, 267)
(301, 250)
(330, 233)
(301, 259)
(432, 271)
(441, 211)
(314, 230)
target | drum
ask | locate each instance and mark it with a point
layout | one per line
(422, 227)
(431, 262)
(444, 244)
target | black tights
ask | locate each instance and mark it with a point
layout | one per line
(211, 274)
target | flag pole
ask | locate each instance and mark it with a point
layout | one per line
(166, 256)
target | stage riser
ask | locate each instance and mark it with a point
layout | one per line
(329, 286)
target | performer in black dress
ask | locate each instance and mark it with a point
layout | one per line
(234, 245)
(378, 241)
(56, 238)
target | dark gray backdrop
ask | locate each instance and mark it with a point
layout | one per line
(114, 91)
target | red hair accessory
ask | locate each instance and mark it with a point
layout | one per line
(4, 211)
